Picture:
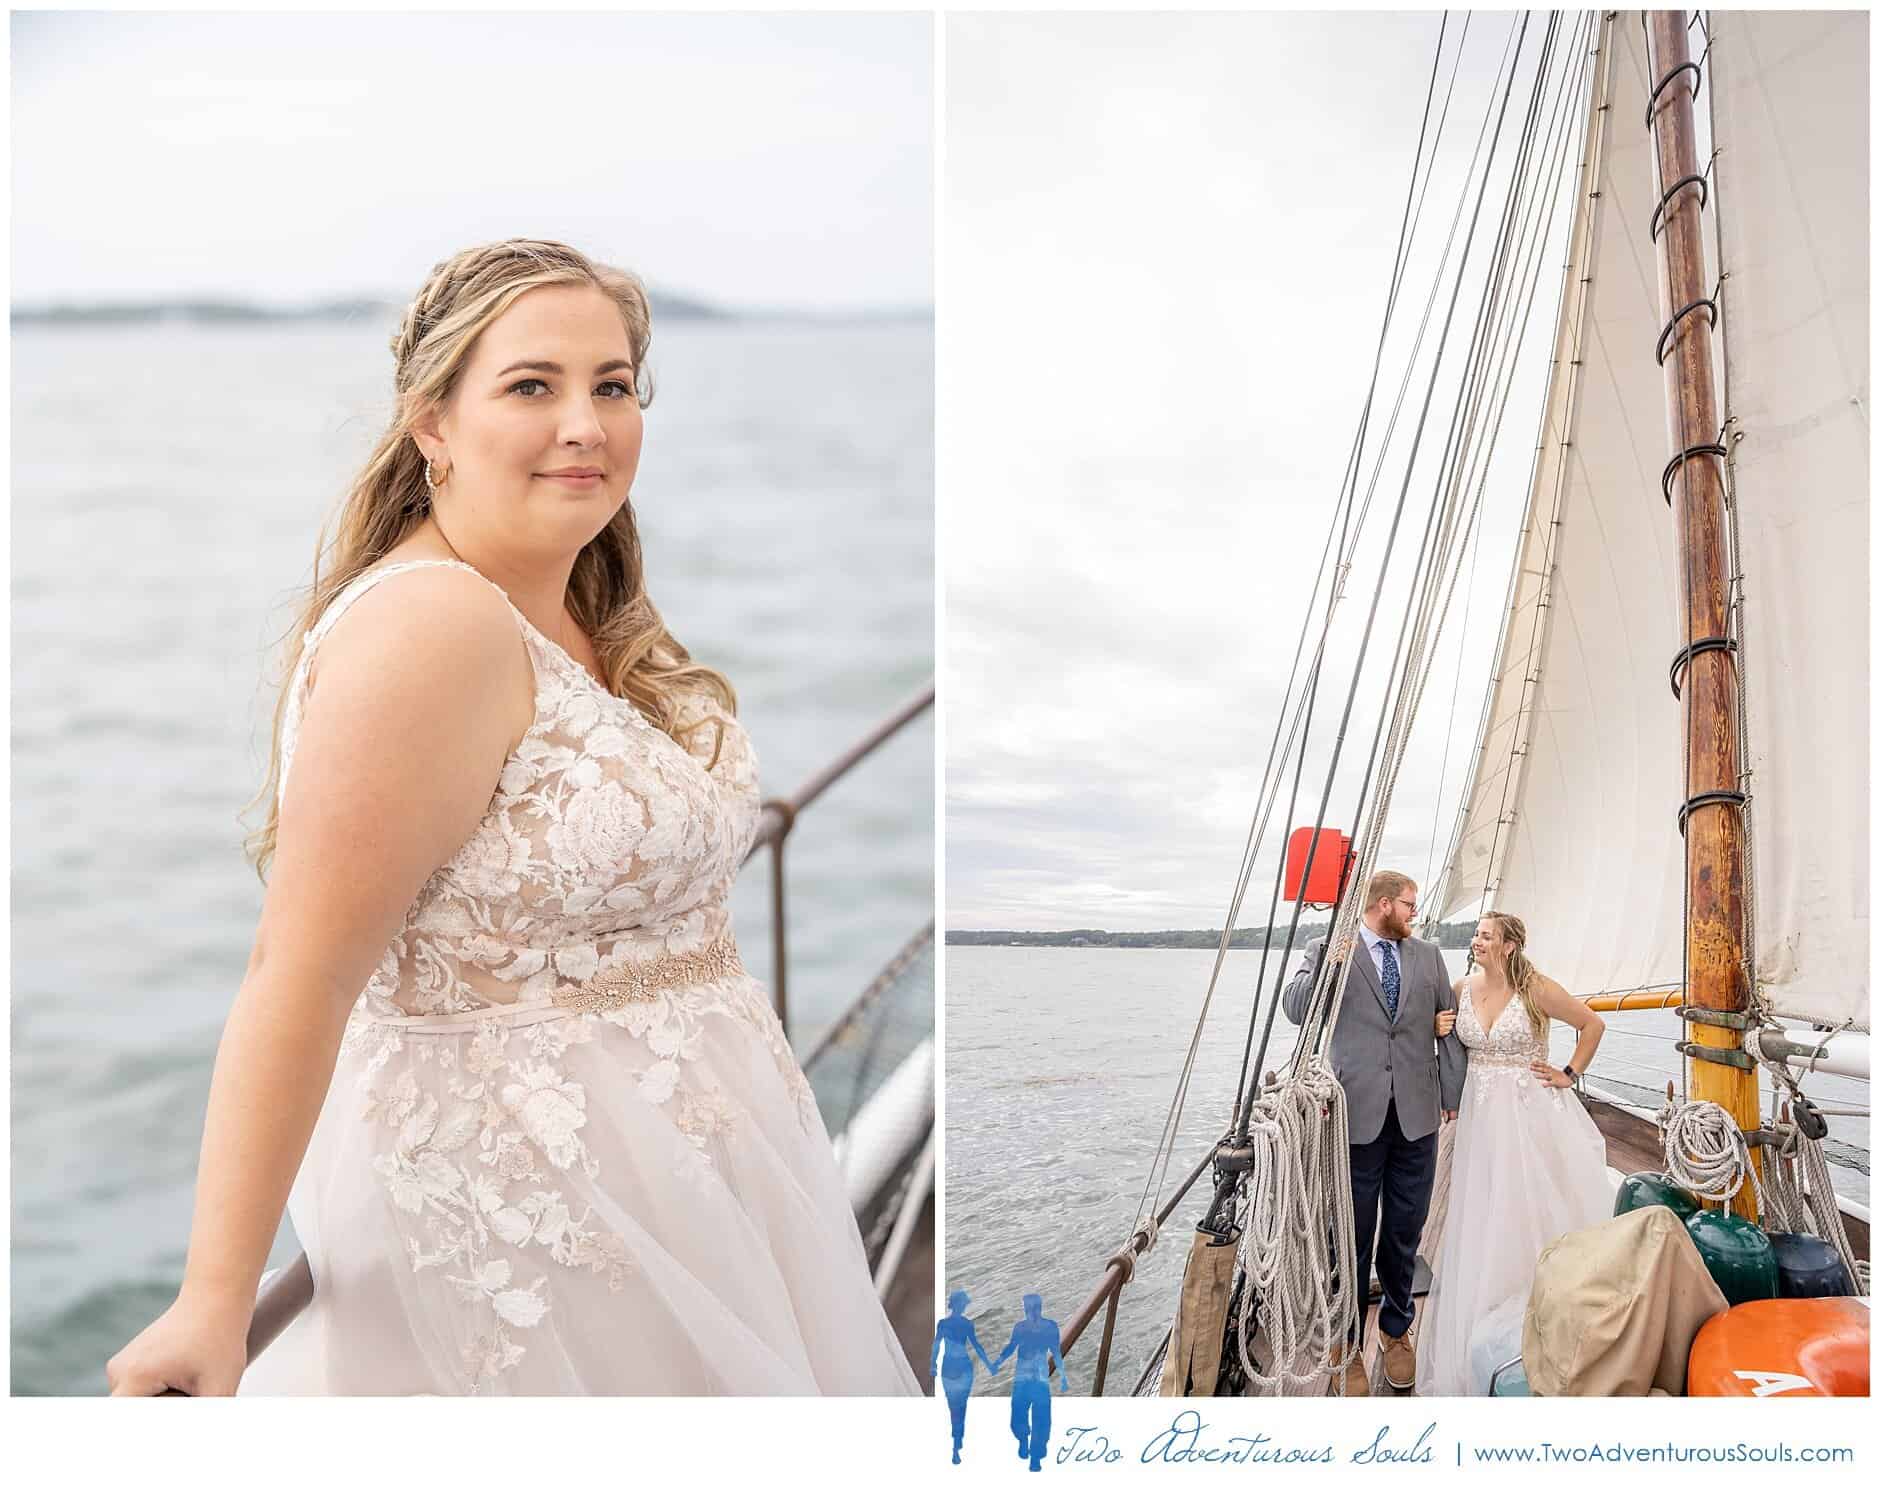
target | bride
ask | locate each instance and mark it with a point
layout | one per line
(544, 1134)
(1529, 1164)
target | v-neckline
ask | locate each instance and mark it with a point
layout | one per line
(1488, 1031)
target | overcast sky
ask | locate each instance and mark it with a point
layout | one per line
(1167, 240)
(777, 161)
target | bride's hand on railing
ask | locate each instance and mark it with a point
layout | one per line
(199, 1346)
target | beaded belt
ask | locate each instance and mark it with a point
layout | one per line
(1483, 1063)
(613, 987)
(635, 983)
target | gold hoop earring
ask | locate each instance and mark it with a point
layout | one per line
(434, 482)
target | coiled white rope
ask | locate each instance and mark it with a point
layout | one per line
(1705, 1153)
(1294, 1247)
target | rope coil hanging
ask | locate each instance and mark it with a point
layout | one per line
(1705, 1153)
(1293, 1247)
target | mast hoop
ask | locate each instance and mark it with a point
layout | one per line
(1690, 651)
(1672, 324)
(1710, 798)
(1651, 105)
(1658, 214)
(1676, 463)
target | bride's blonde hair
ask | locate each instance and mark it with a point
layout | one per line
(387, 500)
(1522, 974)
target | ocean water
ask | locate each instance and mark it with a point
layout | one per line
(1060, 1067)
(168, 484)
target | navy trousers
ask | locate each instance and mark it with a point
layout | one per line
(1393, 1174)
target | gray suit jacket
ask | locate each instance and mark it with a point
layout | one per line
(1378, 1059)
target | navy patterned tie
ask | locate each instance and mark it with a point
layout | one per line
(1390, 980)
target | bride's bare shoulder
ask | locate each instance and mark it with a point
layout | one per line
(436, 636)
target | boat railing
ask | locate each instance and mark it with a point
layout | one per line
(1116, 1274)
(286, 1294)
(779, 821)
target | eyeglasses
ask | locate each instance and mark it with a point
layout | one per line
(1409, 905)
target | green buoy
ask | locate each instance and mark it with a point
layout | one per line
(1643, 1189)
(1738, 1254)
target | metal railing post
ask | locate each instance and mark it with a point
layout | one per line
(1109, 1333)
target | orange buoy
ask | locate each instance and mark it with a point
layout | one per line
(1783, 1347)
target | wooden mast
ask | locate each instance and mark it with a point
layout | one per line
(1713, 832)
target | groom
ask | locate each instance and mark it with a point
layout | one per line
(1386, 1053)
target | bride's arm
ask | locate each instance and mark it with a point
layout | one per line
(1556, 1004)
(400, 746)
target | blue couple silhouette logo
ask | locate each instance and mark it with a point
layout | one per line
(1034, 1340)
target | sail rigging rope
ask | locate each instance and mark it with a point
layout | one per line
(1511, 334)
(1414, 643)
(1341, 529)
(1590, 172)
(1319, 1018)
(1249, 1075)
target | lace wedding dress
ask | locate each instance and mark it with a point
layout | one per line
(567, 1149)
(1529, 1166)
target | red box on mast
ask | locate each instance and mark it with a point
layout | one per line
(1330, 865)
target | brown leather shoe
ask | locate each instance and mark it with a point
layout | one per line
(1357, 1378)
(1400, 1361)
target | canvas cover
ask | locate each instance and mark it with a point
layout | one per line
(1614, 1309)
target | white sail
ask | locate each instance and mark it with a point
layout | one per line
(1571, 816)
(1570, 819)
(1788, 98)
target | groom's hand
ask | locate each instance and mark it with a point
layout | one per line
(1342, 952)
(1448, 1115)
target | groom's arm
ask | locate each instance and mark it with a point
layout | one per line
(1299, 990)
(1452, 1057)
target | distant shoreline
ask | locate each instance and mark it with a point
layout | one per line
(1454, 935)
(213, 311)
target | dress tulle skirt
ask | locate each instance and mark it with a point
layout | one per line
(536, 1202)
(1529, 1166)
